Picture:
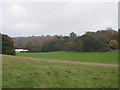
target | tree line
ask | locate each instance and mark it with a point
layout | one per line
(99, 41)
(102, 40)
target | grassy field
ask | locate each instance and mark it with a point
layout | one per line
(97, 57)
(23, 73)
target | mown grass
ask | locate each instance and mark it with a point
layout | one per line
(21, 73)
(97, 57)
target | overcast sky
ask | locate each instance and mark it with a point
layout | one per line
(61, 18)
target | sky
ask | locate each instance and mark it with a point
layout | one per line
(56, 18)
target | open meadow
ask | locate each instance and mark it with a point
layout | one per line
(59, 44)
(96, 57)
(34, 72)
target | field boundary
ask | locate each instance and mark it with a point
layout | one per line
(63, 61)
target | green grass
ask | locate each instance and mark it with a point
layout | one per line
(97, 57)
(21, 73)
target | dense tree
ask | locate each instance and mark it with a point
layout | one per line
(7, 45)
(100, 45)
(88, 42)
(113, 44)
(119, 39)
(73, 36)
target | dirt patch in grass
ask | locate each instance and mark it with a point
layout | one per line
(61, 61)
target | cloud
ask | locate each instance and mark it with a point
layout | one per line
(23, 19)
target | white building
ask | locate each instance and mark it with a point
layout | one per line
(20, 50)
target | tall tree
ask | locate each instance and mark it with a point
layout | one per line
(73, 36)
(7, 45)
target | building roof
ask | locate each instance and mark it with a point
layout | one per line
(18, 50)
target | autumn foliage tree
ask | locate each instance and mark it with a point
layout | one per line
(113, 44)
(102, 40)
(7, 45)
